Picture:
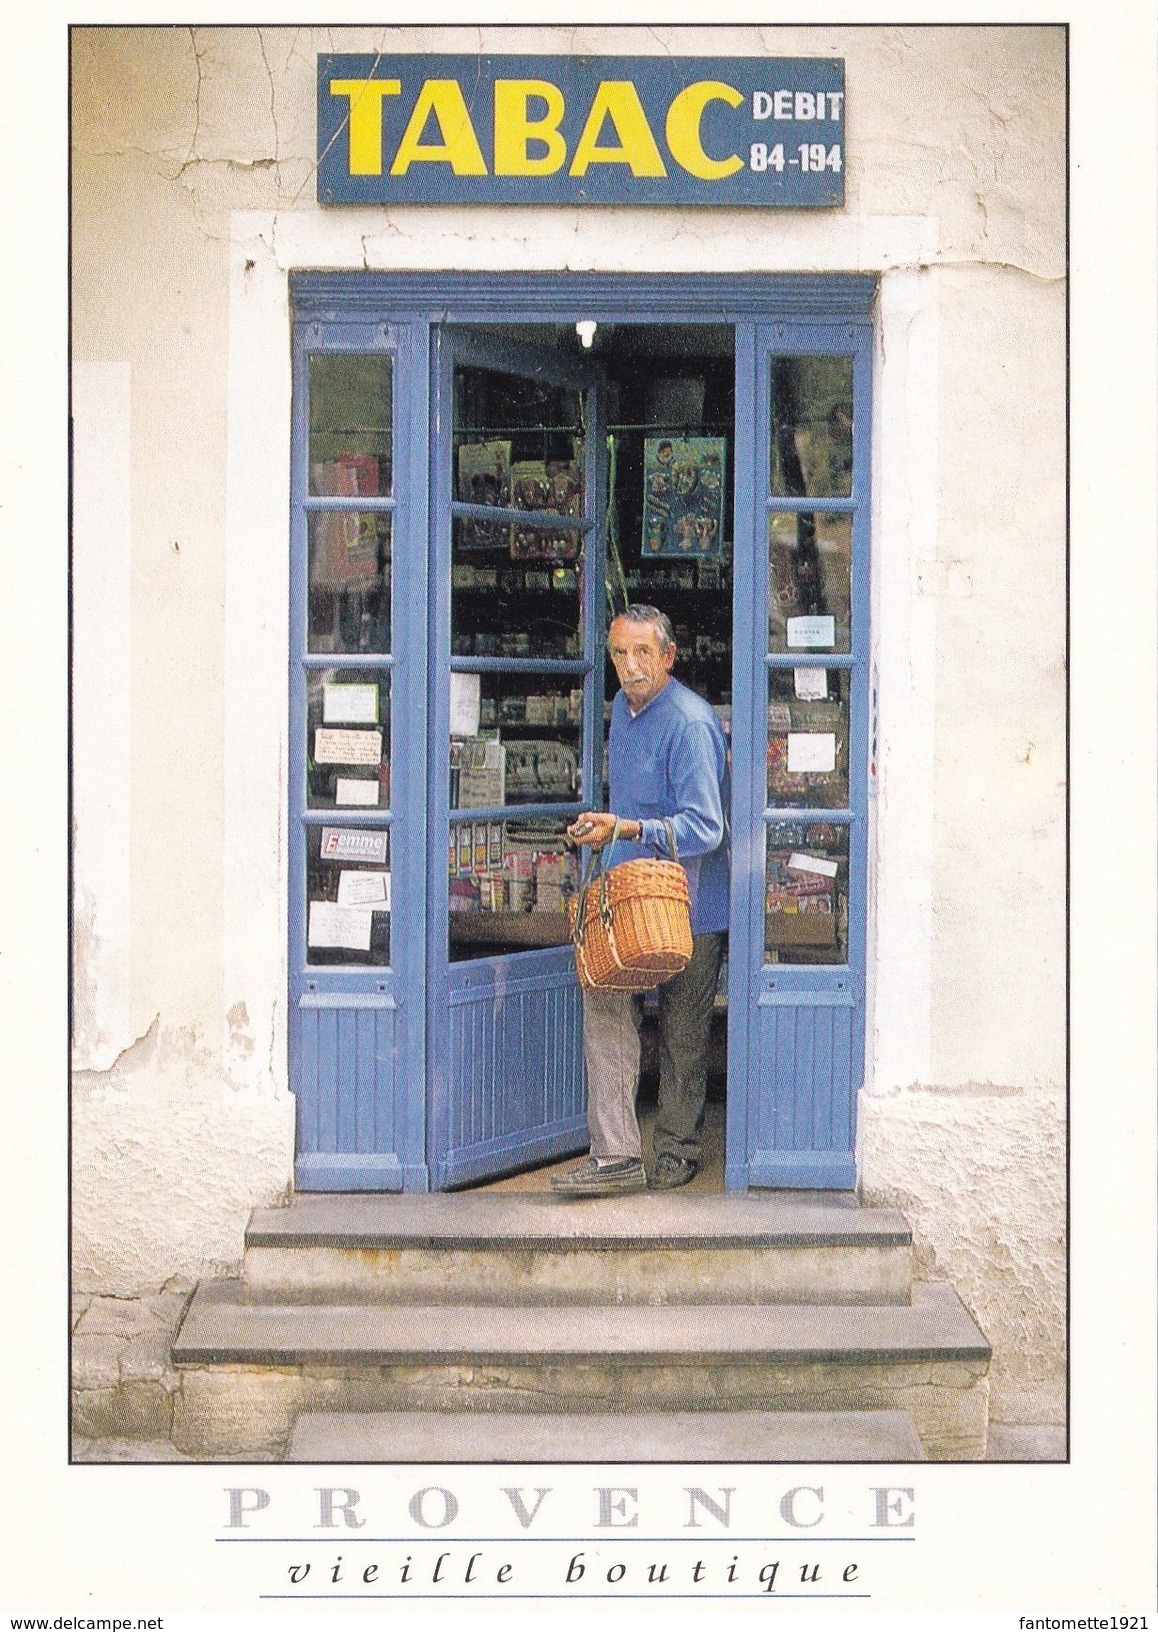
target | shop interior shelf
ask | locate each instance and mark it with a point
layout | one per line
(800, 929)
(511, 928)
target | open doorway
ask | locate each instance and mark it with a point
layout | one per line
(449, 679)
(669, 431)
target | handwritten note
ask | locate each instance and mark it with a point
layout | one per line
(347, 747)
(364, 889)
(811, 751)
(810, 683)
(465, 704)
(334, 925)
(350, 705)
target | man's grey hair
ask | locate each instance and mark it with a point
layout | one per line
(637, 613)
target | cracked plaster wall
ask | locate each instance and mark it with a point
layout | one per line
(977, 1171)
(175, 130)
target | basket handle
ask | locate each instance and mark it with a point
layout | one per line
(669, 830)
(604, 903)
(593, 864)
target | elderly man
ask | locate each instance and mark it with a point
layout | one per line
(668, 758)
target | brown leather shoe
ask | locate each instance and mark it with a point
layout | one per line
(592, 1178)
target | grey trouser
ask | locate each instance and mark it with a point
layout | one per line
(611, 1022)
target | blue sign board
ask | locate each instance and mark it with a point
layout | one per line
(734, 131)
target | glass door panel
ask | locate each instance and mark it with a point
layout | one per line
(349, 579)
(351, 423)
(347, 1031)
(520, 625)
(808, 737)
(516, 574)
(806, 893)
(519, 531)
(347, 739)
(811, 442)
(348, 891)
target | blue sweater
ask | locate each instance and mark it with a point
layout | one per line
(671, 760)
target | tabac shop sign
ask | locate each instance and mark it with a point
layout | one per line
(581, 130)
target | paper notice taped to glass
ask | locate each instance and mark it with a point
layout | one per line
(353, 843)
(347, 747)
(798, 862)
(811, 751)
(364, 889)
(804, 632)
(350, 705)
(333, 925)
(465, 704)
(356, 790)
(810, 683)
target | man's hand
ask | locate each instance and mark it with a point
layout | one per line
(595, 828)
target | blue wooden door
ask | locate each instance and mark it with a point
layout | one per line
(515, 717)
(797, 968)
(356, 783)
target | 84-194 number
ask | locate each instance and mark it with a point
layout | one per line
(810, 156)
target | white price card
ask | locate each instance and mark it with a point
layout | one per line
(364, 890)
(798, 862)
(350, 705)
(356, 790)
(810, 683)
(334, 925)
(347, 747)
(811, 751)
(465, 704)
(811, 632)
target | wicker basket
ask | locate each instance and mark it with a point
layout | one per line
(631, 924)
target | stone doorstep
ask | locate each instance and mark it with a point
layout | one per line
(633, 1273)
(249, 1370)
(676, 1436)
(472, 1247)
(239, 1412)
(526, 1221)
(220, 1327)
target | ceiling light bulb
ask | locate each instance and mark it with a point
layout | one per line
(586, 332)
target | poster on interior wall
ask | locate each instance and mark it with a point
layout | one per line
(553, 485)
(484, 477)
(683, 495)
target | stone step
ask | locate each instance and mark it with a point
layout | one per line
(677, 1436)
(530, 1248)
(248, 1369)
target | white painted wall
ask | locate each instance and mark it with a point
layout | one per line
(101, 712)
(192, 200)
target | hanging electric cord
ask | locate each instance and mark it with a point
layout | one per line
(614, 577)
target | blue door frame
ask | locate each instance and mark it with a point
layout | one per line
(368, 1044)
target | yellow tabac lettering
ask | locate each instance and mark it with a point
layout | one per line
(683, 130)
(459, 146)
(618, 100)
(515, 129)
(365, 97)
